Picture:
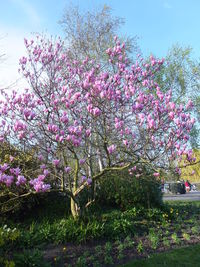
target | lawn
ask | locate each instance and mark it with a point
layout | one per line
(181, 257)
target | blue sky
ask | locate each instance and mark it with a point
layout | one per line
(158, 23)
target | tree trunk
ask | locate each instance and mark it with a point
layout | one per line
(75, 209)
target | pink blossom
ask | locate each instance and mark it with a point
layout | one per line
(83, 179)
(82, 161)
(96, 111)
(56, 162)
(189, 104)
(171, 115)
(9, 179)
(125, 142)
(89, 181)
(46, 172)
(11, 158)
(151, 123)
(21, 180)
(67, 169)
(4, 167)
(111, 149)
(40, 157)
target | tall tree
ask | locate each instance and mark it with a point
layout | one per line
(89, 34)
(121, 115)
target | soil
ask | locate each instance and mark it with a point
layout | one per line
(67, 254)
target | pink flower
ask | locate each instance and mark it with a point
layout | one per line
(88, 132)
(125, 142)
(151, 123)
(172, 105)
(171, 115)
(11, 158)
(156, 174)
(67, 169)
(40, 157)
(83, 179)
(64, 119)
(96, 111)
(46, 172)
(41, 177)
(89, 181)
(111, 149)
(9, 179)
(43, 166)
(4, 167)
(21, 180)
(56, 162)
(82, 161)
(189, 104)
(39, 185)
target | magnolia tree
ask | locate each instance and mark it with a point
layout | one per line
(84, 123)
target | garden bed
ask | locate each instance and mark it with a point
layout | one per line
(108, 238)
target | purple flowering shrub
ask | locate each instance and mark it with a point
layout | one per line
(17, 170)
(85, 121)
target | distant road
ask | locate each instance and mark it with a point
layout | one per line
(191, 196)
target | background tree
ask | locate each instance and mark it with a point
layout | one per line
(191, 172)
(181, 72)
(90, 33)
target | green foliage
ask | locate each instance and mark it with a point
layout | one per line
(6, 263)
(186, 236)
(175, 238)
(125, 191)
(195, 229)
(128, 241)
(140, 247)
(108, 259)
(81, 262)
(154, 238)
(108, 247)
(30, 258)
(8, 237)
(166, 242)
(57, 227)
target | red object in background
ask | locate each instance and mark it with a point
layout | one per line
(186, 184)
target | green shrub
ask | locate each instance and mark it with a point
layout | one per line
(8, 237)
(125, 191)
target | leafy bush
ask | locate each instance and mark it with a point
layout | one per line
(121, 189)
(7, 237)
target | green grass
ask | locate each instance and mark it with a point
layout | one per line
(182, 257)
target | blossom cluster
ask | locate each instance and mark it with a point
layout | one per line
(13, 177)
